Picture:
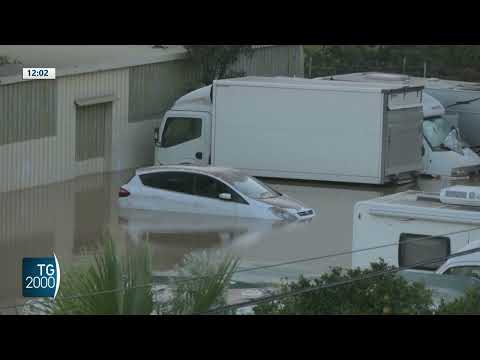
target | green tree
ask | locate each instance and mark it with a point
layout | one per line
(468, 304)
(383, 295)
(214, 61)
(457, 62)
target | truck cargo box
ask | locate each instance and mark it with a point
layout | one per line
(304, 129)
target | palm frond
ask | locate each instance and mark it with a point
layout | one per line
(109, 285)
(214, 272)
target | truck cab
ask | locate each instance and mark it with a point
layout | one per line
(184, 135)
(445, 153)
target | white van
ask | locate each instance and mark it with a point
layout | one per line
(444, 151)
(297, 129)
(414, 226)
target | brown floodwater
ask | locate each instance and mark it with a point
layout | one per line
(71, 218)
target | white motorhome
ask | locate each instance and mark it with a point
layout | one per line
(297, 128)
(444, 151)
(413, 226)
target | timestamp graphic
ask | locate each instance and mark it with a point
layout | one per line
(38, 73)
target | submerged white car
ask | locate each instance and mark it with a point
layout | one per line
(208, 190)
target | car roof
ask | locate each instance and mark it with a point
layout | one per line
(226, 174)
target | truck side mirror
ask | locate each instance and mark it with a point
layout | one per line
(225, 196)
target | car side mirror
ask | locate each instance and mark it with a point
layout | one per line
(225, 196)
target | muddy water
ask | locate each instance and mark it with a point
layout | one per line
(70, 218)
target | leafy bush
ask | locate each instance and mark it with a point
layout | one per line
(468, 304)
(386, 294)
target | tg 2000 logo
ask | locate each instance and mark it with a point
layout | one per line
(41, 277)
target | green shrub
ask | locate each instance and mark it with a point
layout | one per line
(387, 294)
(468, 304)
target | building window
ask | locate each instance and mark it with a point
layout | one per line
(416, 248)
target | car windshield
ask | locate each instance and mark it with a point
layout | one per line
(254, 188)
(441, 134)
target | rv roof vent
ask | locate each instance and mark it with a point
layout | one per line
(461, 195)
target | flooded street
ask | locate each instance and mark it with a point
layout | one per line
(70, 218)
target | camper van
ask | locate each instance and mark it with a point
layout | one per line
(297, 129)
(444, 151)
(414, 226)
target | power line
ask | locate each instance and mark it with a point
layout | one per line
(339, 283)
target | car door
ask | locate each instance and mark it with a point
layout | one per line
(185, 139)
(208, 190)
(167, 191)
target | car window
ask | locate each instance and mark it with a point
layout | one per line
(173, 181)
(254, 188)
(417, 248)
(178, 130)
(472, 271)
(209, 187)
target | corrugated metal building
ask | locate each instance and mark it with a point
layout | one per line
(100, 112)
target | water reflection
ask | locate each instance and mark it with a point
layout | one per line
(69, 219)
(172, 235)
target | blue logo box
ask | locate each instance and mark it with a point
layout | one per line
(40, 277)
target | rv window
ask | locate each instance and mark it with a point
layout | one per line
(179, 130)
(416, 248)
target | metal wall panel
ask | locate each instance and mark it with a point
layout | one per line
(52, 159)
(154, 88)
(27, 111)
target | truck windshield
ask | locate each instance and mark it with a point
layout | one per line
(254, 188)
(441, 134)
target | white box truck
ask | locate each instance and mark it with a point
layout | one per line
(297, 128)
